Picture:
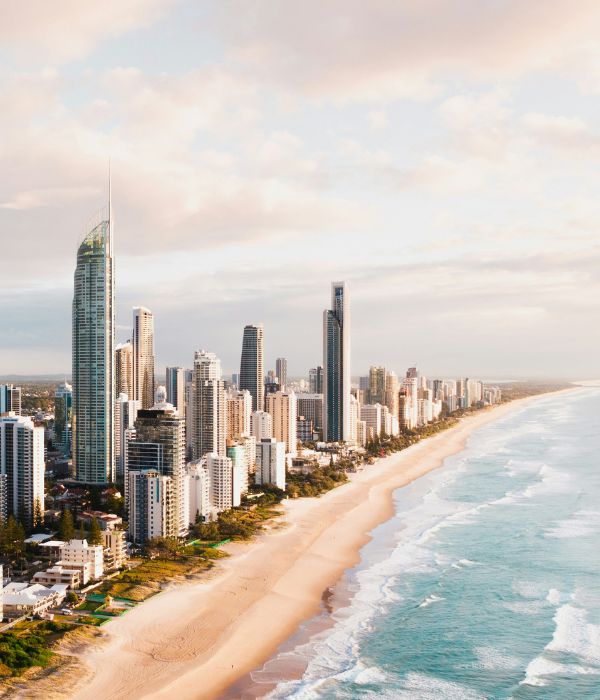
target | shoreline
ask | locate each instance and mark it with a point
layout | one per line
(199, 640)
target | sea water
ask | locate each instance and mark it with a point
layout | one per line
(486, 583)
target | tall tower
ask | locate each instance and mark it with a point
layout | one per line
(281, 371)
(93, 356)
(63, 410)
(124, 369)
(252, 373)
(176, 388)
(143, 357)
(336, 366)
(22, 465)
(159, 446)
(209, 423)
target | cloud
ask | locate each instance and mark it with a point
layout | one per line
(63, 30)
(570, 134)
(349, 49)
(377, 119)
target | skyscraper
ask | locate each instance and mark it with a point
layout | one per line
(252, 366)
(176, 388)
(209, 423)
(93, 356)
(282, 407)
(336, 364)
(281, 371)
(315, 380)
(63, 409)
(124, 369)
(159, 446)
(143, 357)
(377, 384)
(10, 399)
(22, 465)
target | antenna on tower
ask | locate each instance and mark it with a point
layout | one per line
(110, 222)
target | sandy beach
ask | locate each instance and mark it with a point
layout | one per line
(194, 641)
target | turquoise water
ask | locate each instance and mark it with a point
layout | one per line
(486, 584)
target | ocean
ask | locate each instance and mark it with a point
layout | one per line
(485, 584)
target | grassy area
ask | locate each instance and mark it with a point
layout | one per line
(29, 644)
(237, 524)
(149, 576)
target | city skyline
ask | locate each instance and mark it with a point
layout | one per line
(457, 186)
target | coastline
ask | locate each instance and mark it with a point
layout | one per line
(196, 641)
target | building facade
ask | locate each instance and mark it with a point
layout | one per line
(336, 366)
(143, 356)
(252, 371)
(22, 468)
(93, 357)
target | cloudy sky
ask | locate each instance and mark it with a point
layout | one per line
(440, 155)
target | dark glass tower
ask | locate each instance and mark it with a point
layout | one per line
(252, 374)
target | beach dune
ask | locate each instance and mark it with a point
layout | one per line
(194, 641)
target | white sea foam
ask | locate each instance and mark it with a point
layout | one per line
(574, 636)
(433, 598)
(462, 563)
(581, 524)
(424, 687)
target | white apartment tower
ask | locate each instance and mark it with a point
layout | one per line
(22, 465)
(143, 357)
(209, 422)
(270, 462)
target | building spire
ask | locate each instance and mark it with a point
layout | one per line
(110, 218)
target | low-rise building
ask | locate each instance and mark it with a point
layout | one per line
(86, 558)
(106, 521)
(20, 599)
(57, 574)
(115, 549)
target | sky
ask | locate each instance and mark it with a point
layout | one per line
(441, 156)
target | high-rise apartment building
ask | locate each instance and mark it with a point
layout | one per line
(311, 407)
(22, 465)
(176, 389)
(261, 425)
(93, 357)
(252, 365)
(63, 410)
(126, 410)
(270, 462)
(281, 371)
(209, 423)
(225, 482)
(124, 369)
(336, 364)
(159, 445)
(10, 399)
(315, 380)
(377, 382)
(392, 387)
(239, 410)
(151, 511)
(143, 357)
(282, 407)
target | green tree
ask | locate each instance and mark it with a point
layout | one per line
(66, 528)
(95, 536)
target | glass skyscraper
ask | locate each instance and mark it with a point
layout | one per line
(252, 373)
(336, 366)
(93, 357)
